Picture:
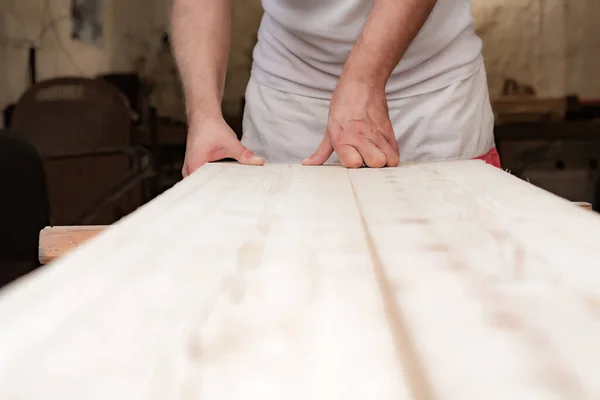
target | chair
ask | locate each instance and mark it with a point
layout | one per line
(82, 129)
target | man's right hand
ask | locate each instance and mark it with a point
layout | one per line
(211, 139)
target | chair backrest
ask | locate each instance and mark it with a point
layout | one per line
(69, 116)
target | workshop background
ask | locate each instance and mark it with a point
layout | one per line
(93, 115)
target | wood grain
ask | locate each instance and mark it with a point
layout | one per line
(437, 281)
(57, 241)
(585, 205)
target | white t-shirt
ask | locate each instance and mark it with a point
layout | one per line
(303, 45)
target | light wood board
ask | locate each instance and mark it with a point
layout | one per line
(57, 241)
(438, 281)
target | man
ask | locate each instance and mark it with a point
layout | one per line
(361, 82)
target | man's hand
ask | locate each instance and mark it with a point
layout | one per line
(212, 139)
(201, 36)
(359, 129)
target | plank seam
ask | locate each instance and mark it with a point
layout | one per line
(419, 384)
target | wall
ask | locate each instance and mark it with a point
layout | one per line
(583, 47)
(132, 42)
(132, 31)
(552, 45)
(21, 23)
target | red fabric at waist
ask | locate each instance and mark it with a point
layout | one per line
(491, 157)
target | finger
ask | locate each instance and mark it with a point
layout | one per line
(393, 159)
(244, 156)
(372, 155)
(392, 154)
(349, 156)
(322, 154)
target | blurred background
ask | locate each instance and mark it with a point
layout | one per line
(93, 121)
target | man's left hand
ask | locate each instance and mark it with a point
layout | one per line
(359, 129)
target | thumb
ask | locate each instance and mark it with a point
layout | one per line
(322, 154)
(244, 156)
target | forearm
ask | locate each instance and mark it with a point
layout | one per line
(391, 27)
(201, 39)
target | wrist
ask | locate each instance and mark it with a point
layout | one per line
(357, 90)
(198, 122)
(363, 77)
(199, 115)
(203, 105)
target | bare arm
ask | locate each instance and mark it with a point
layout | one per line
(359, 129)
(201, 31)
(385, 37)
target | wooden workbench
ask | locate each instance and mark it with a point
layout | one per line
(440, 281)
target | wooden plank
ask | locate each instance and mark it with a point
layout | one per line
(488, 270)
(446, 280)
(57, 241)
(585, 205)
(237, 275)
